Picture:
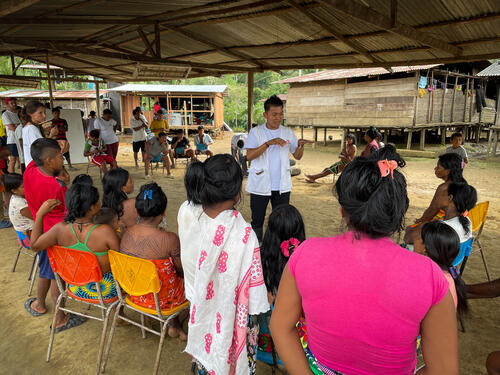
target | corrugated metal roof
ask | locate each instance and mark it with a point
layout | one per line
(136, 87)
(45, 94)
(331, 74)
(491, 71)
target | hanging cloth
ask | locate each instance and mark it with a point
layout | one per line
(422, 83)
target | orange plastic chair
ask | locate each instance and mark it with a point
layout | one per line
(138, 277)
(78, 267)
(478, 218)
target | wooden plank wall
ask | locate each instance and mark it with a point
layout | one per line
(383, 103)
(219, 110)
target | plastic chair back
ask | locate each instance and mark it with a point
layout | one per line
(478, 215)
(136, 276)
(76, 267)
(465, 249)
(24, 239)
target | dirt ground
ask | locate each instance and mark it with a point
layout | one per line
(24, 338)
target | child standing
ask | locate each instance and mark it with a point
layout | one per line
(19, 213)
(457, 148)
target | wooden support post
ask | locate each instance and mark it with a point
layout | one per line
(315, 134)
(443, 98)
(490, 139)
(185, 118)
(302, 132)
(430, 107)
(386, 136)
(324, 138)
(344, 136)
(478, 133)
(422, 139)
(443, 135)
(408, 141)
(250, 83)
(51, 98)
(97, 101)
(453, 100)
(471, 100)
(465, 99)
(495, 142)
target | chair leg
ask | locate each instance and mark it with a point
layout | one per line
(143, 331)
(53, 329)
(484, 261)
(33, 276)
(17, 258)
(32, 266)
(110, 338)
(103, 339)
(160, 347)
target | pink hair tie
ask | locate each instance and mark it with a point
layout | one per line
(288, 246)
(386, 167)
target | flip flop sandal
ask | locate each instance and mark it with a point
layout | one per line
(73, 321)
(27, 306)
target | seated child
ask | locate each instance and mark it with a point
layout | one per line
(108, 216)
(457, 148)
(149, 240)
(156, 151)
(19, 213)
(202, 141)
(96, 149)
(78, 232)
(237, 144)
(180, 147)
(442, 246)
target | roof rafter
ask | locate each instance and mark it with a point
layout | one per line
(107, 67)
(146, 41)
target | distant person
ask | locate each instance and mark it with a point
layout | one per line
(97, 151)
(60, 127)
(107, 126)
(90, 122)
(32, 115)
(202, 141)
(159, 124)
(372, 144)
(457, 148)
(347, 155)
(237, 146)
(157, 151)
(157, 107)
(2, 129)
(138, 126)
(181, 147)
(11, 121)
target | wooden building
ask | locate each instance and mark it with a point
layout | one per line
(492, 72)
(404, 98)
(183, 105)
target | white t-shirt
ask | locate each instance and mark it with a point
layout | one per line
(273, 153)
(9, 117)
(30, 134)
(236, 137)
(19, 136)
(455, 224)
(19, 222)
(206, 139)
(137, 135)
(107, 134)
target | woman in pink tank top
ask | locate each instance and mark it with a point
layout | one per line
(365, 299)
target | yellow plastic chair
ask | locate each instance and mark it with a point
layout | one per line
(138, 277)
(478, 217)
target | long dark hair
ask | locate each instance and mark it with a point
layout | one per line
(372, 133)
(217, 179)
(464, 199)
(113, 195)
(285, 222)
(442, 246)
(151, 201)
(79, 199)
(453, 163)
(373, 205)
(29, 108)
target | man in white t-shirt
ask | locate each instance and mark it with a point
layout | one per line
(138, 126)
(107, 127)
(11, 121)
(268, 147)
(202, 141)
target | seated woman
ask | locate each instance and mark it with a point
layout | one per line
(116, 185)
(346, 156)
(372, 145)
(78, 232)
(357, 321)
(449, 169)
(147, 240)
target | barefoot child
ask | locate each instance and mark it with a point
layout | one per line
(148, 240)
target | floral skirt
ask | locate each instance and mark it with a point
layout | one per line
(252, 332)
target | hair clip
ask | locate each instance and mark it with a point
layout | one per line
(465, 213)
(148, 194)
(454, 272)
(386, 167)
(288, 246)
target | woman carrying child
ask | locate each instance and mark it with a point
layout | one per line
(222, 270)
(363, 308)
(117, 184)
(149, 240)
(78, 232)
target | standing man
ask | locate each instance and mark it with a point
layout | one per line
(107, 127)
(59, 129)
(268, 147)
(11, 121)
(138, 126)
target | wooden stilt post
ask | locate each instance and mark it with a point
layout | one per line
(98, 100)
(324, 137)
(344, 135)
(465, 101)
(443, 135)
(302, 132)
(51, 97)
(408, 140)
(250, 83)
(315, 134)
(471, 100)
(422, 139)
(386, 136)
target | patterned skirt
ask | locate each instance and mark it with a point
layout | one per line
(89, 291)
(338, 166)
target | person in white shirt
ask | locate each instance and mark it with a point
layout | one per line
(11, 121)
(32, 114)
(107, 127)
(202, 141)
(268, 147)
(237, 144)
(138, 126)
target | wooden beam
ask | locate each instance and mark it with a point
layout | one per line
(97, 101)
(250, 84)
(108, 67)
(332, 30)
(394, 12)
(465, 99)
(369, 15)
(18, 65)
(13, 65)
(158, 40)
(11, 6)
(441, 118)
(146, 41)
(51, 98)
